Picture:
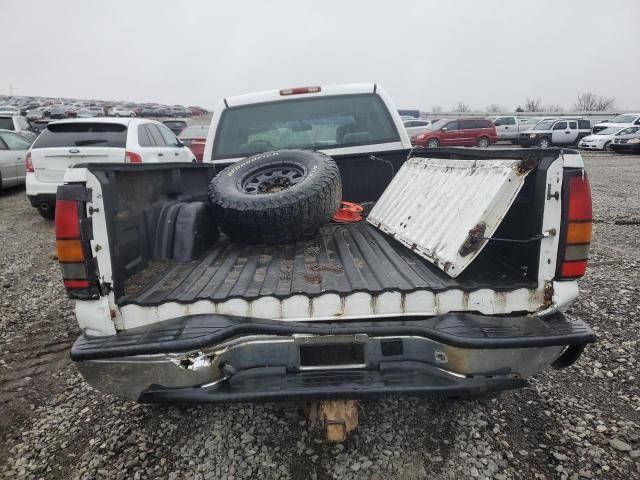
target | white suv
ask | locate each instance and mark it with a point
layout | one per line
(91, 140)
(120, 112)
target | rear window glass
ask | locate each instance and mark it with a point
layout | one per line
(199, 131)
(83, 135)
(6, 123)
(309, 123)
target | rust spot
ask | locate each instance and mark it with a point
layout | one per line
(526, 165)
(548, 294)
(413, 246)
(474, 240)
(447, 266)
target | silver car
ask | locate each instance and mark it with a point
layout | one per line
(13, 151)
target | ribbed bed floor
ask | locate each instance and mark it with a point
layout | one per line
(341, 259)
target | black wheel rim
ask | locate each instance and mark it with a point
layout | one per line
(272, 179)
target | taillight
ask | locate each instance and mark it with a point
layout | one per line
(28, 163)
(132, 157)
(73, 251)
(299, 90)
(575, 236)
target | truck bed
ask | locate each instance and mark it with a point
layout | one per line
(342, 260)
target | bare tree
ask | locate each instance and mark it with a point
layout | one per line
(532, 104)
(554, 107)
(590, 102)
(436, 109)
(461, 107)
(494, 108)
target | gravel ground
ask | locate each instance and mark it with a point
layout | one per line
(582, 422)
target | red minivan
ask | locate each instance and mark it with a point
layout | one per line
(461, 132)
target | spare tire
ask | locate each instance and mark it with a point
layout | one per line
(276, 197)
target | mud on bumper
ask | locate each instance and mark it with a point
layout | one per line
(219, 358)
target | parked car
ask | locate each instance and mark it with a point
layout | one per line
(24, 109)
(195, 137)
(176, 126)
(560, 132)
(414, 126)
(604, 138)
(509, 127)
(462, 132)
(627, 144)
(197, 111)
(57, 112)
(92, 140)
(624, 120)
(35, 114)
(148, 112)
(178, 111)
(120, 112)
(18, 124)
(13, 151)
(9, 110)
(97, 111)
(161, 112)
(350, 312)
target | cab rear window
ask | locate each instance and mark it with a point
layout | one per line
(324, 122)
(83, 135)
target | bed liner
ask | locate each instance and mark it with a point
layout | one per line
(340, 259)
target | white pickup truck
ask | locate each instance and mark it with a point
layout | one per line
(509, 127)
(172, 312)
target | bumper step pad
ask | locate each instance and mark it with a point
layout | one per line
(464, 330)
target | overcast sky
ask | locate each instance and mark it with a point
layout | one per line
(425, 53)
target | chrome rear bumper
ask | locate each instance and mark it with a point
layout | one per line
(215, 358)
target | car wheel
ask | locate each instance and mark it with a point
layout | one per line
(544, 142)
(275, 197)
(607, 147)
(117, 115)
(48, 212)
(132, 114)
(433, 143)
(483, 142)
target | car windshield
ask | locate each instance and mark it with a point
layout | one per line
(629, 131)
(307, 123)
(83, 135)
(195, 131)
(609, 131)
(544, 125)
(623, 119)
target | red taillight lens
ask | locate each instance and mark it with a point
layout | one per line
(299, 90)
(67, 219)
(132, 157)
(576, 228)
(69, 245)
(28, 163)
(579, 198)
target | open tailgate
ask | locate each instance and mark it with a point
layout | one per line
(444, 209)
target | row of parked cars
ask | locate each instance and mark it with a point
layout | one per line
(620, 133)
(58, 109)
(41, 160)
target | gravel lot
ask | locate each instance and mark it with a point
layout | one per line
(582, 422)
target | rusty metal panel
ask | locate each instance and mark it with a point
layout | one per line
(439, 208)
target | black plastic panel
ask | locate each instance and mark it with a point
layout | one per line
(275, 384)
(457, 329)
